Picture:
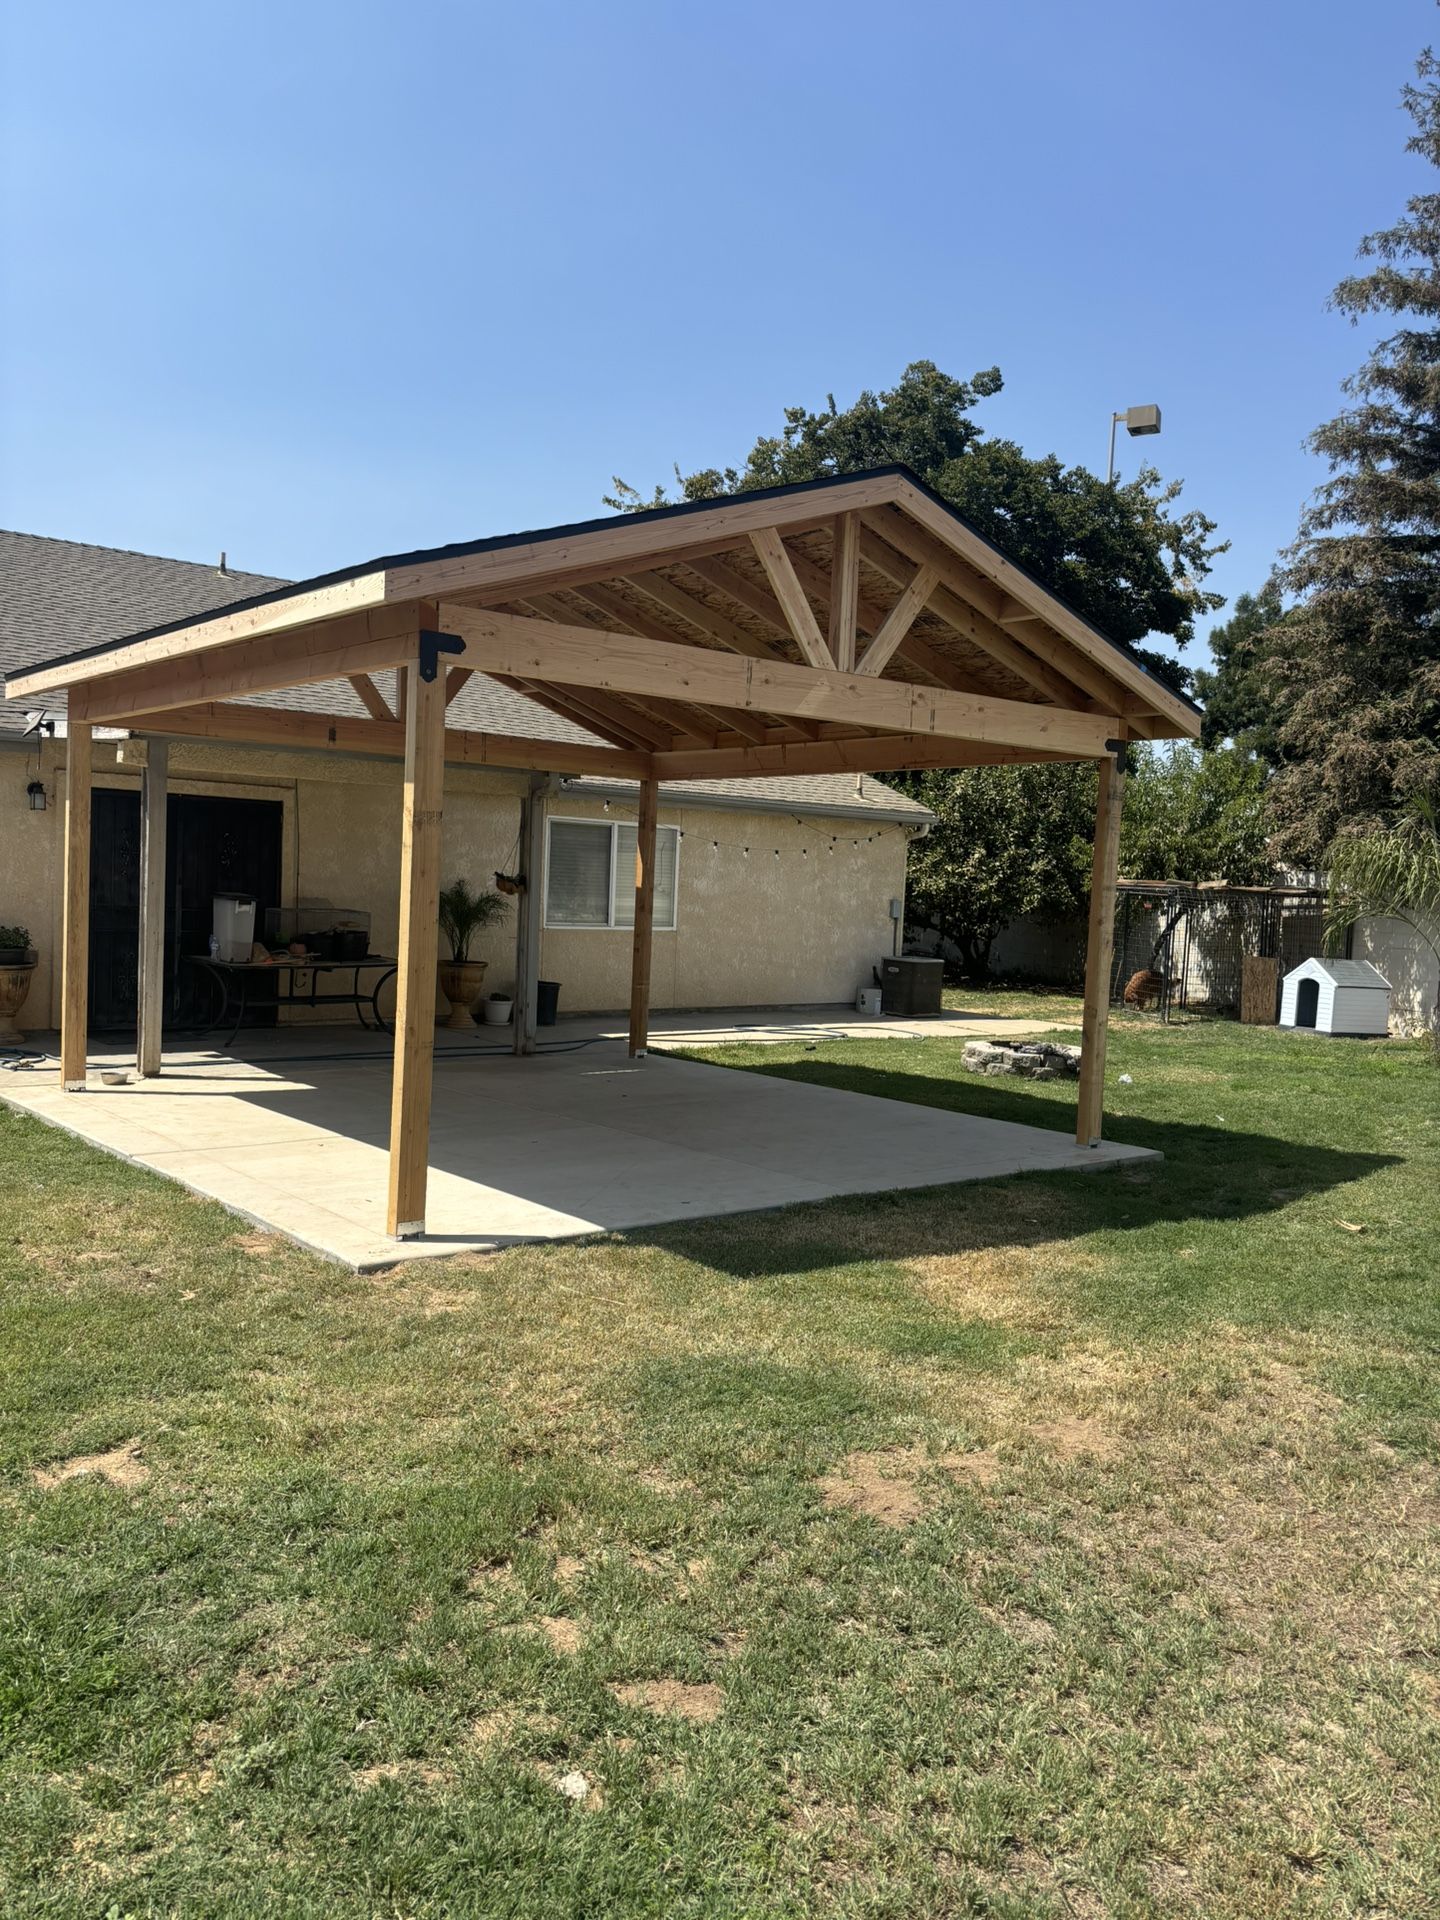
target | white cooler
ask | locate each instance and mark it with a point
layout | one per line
(233, 925)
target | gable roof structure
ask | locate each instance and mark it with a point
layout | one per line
(848, 624)
(69, 595)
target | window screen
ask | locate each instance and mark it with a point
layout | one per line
(590, 874)
(667, 841)
(577, 877)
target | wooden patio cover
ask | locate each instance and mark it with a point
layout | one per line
(855, 624)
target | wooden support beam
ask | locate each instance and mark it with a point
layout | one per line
(644, 919)
(150, 986)
(845, 597)
(858, 753)
(799, 616)
(898, 622)
(288, 727)
(504, 643)
(1002, 576)
(912, 649)
(75, 949)
(454, 680)
(361, 643)
(421, 815)
(528, 914)
(371, 698)
(966, 619)
(1099, 954)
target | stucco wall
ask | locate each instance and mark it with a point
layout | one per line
(1410, 966)
(752, 930)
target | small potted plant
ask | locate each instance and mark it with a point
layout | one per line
(17, 963)
(498, 1009)
(462, 915)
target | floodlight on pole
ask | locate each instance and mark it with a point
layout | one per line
(1138, 420)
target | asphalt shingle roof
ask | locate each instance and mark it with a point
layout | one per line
(58, 597)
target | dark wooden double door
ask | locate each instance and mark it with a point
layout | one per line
(213, 845)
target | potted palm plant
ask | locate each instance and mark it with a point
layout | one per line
(463, 912)
(17, 963)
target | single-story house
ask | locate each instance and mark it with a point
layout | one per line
(739, 863)
(840, 629)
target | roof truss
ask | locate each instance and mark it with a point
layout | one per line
(850, 625)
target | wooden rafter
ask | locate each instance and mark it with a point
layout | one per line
(799, 615)
(971, 624)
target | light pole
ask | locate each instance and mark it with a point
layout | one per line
(1137, 420)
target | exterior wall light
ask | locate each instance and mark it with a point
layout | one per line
(35, 794)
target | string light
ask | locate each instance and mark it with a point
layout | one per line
(828, 841)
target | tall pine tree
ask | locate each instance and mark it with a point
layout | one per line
(1355, 667)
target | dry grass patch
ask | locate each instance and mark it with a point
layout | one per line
(1073, 1438)
(886, 1485)
(565, 1636)
(675, 1698)
(120, 1466)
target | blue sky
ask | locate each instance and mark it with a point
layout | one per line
(312, 282)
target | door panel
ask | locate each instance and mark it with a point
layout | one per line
(213, 845)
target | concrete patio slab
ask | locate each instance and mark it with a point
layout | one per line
(291, 1131)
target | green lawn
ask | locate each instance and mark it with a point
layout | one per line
(1013, 1003)
(1060, 1546)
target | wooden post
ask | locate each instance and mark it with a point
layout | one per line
(644, 918)
(150, 997)
(75, 959)
(528, 911)
(419, 940)
(1099, 953)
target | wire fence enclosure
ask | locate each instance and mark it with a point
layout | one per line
(1190, 942)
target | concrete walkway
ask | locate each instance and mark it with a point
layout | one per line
(291, 1131)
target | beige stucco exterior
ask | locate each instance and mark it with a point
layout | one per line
(751, 930)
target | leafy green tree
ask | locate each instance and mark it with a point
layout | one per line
(1356, 665)
(1010, 841)
(1007, 841)
(1192, 815)
(1123, 555)
(1239, 694)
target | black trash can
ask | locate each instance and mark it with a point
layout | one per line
(547, 1002)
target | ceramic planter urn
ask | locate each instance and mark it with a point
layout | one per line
(460, 982)
(14, 985)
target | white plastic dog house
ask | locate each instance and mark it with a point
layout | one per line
(1336, 996)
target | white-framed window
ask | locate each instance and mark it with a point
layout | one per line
(590, 874)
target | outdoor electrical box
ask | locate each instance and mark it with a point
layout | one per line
(910, 986)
